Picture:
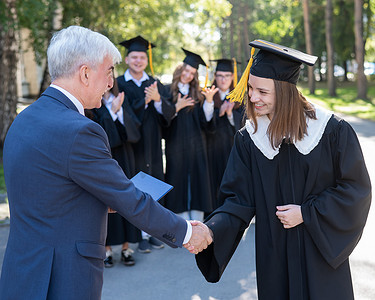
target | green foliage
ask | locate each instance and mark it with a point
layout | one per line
(346, 100)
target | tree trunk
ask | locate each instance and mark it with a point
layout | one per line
(9, 43)
(245, 26)
(360, 50)
(330, 50)
(309, 44)
(231, 40)
(55, 23)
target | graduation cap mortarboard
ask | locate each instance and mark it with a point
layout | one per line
(193, 59)
(137, 44)
(227, 65)
(140, 44)
(279, 62)
(272, 61)
(224, 65)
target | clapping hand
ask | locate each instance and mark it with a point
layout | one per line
(117, 102)
(201, 237)
(152, 93)
(210, 92)
(227, 108)
(183, 102)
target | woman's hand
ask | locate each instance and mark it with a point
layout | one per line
(289, 215)
(117, 102)
(183, 102)
(210, 92)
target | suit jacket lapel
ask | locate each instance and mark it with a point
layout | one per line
(59, 96)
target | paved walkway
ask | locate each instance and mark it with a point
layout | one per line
(170, 274)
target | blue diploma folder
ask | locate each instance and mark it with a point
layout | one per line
(151, 185)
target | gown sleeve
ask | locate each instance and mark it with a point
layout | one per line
(229, 221)
(335, 218)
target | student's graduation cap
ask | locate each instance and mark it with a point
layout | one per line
(227, 65)
(142, 45)
(137, 44)
(272, 61)
(193, 59)
(223, 64)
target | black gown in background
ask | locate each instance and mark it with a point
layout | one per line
(148, 151)
(187, 162)
(120, 138)
(309, 261)
(219, 144)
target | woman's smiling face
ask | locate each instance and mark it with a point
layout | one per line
(262, 95)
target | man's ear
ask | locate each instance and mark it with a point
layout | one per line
(84, 74)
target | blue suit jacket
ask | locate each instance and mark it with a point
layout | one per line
(60, 180)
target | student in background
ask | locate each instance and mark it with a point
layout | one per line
(229, 117)
(122, 128)
(147, 98)
(186, 151)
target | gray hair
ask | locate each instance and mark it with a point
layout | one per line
(74, 46)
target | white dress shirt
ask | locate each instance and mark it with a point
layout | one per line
(71, 98)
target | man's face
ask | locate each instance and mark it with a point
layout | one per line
(100, 80)
(137, 61)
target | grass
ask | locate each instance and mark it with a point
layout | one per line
(345, 101)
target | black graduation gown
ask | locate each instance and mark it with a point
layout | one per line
(148, 151)
(119, 229)
(186, 157)
(219, 145)
(309, 261)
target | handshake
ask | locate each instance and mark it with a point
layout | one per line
(201, 237)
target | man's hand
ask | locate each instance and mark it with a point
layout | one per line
(152, 93)
(289, 215)
(111, 211)
(201, 237)
(183, 102)
(209, 93)
(117, 102)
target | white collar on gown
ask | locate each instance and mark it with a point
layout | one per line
(315, 130)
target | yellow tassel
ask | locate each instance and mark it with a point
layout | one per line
(235, 79)
(150, 58)
(237, 94)
(206, 80)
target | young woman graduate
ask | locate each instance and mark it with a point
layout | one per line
(122, 128)
(186, 152)
(301, 171)
(229, 117)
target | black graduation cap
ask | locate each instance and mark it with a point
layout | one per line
(224, 64)
(137, 44)
(193, 59)
(278, 62)
(272, 61)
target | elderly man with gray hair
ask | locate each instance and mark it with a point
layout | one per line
(61, 180)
